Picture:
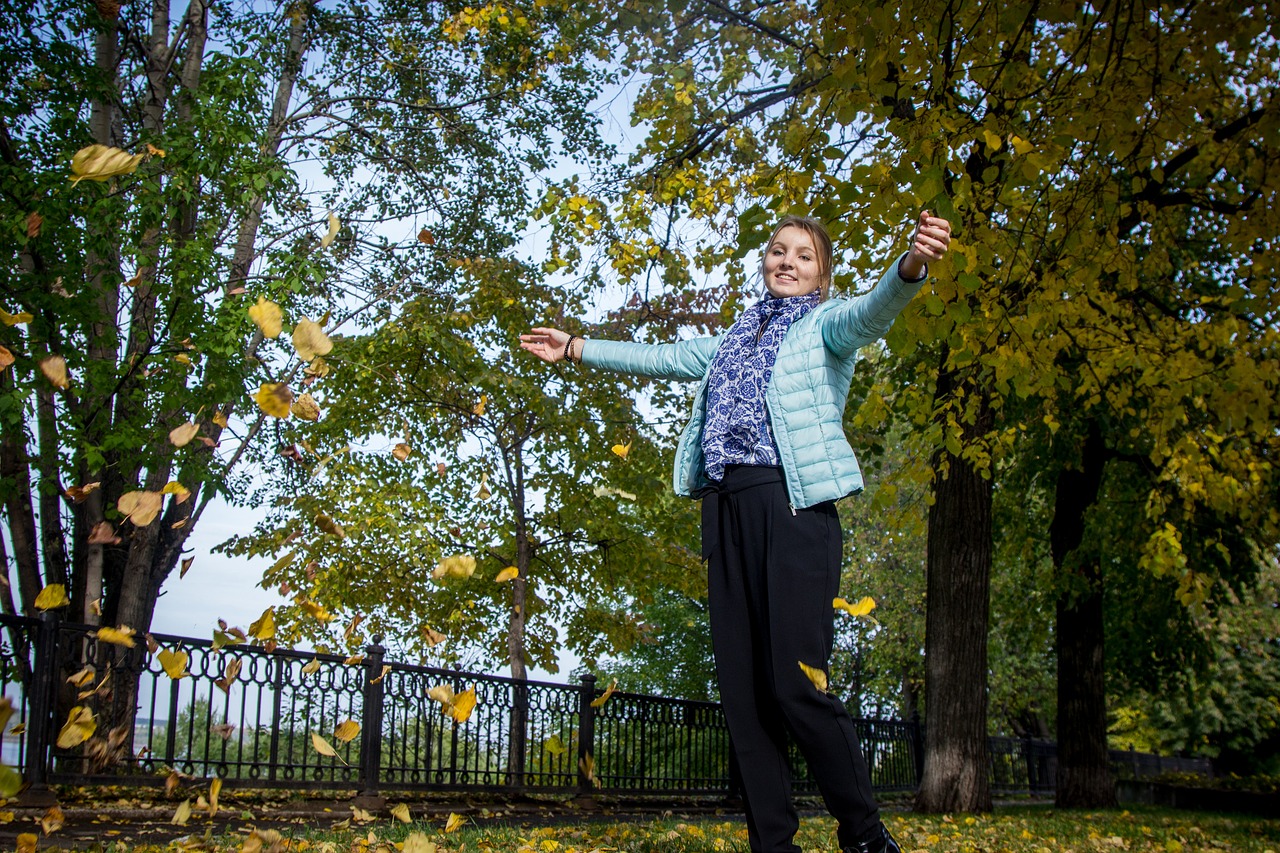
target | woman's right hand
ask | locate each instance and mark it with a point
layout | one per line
(547, 344)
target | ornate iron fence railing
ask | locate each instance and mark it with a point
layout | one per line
(254, 718)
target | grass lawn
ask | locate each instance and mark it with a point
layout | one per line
(1031, 829)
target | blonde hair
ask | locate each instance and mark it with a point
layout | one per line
(822, 244)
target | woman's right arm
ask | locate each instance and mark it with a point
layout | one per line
(685, 360)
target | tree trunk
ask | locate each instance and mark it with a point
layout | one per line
(957, 602)
(1084, 771)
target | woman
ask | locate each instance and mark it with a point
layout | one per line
(765, 449)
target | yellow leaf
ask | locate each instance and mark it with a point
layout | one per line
(274, 399)
(347, 731)
(312, 667)
(214, 788)
(817, 676)
(266, 315)
(621, 450)
(401, 451)
(386, 667)
(441, 693)
(78, 728)
(222, 730)
(318, 368)
(334, 225)
(221, 420)
(324, 747)
(140, 507)
(463, 704)
(604, 697)
(864, 606)
(484, 494)
(454, 823)
(229, 675)
(328, 525)
(101, 163)
(457, 566)
(507, 574)
(310, 340)
(52, 597)
(173, 487)
(426, 237)
(587, 766)
(174, 663)
(315, 611)
(306, 408)
(993, 140)
(6, 358)
(182, 814)
(265, 627)
(352, 626)
(416, 842)
(182, 435)
(27, 842)
(353, 660)
(83, 677)
(400, 812)
(15, 319)
(54, 368)
(122, 636)
(478, 408)
(555, 746)
(11, 782)
(431, 636)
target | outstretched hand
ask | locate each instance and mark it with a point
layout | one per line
(929, 243)
(547, 344)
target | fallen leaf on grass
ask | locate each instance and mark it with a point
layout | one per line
(454, 823)
(400, 812)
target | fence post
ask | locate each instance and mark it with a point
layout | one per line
(917, 744)
(41, 708)
(371, 728)
(586, 736)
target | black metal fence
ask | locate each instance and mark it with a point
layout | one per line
(265, 719)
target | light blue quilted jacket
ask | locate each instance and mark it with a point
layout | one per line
(806, 394)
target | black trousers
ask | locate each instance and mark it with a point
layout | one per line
(772, 575)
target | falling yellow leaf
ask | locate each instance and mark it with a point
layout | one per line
(463, 704)
(19, 729)
(122, 636)
(555, 746)
(220, 419)
(400, 811)
(229, 675)
(328, 525)
(604, 697)
(101, 163)
(155, 152)
(11, 782)
(274, 399)
(416, 842)
(83, 677)
(186, 567)
(621, 450)
(864, 606)
(346, 731)
(457, 566)
(265, 626)
(79, 727)
(15, 319)
(317, 369)
(179, 491)
(431, 636)
(103, 534)
(310, 340)
(54, 368)
(6, 357)
(312, 667)
(52, 597)
(306, 408)
(174, 663)
(334, 225)
(353, 660)
(401, 451)
(182, 814)
(214, 788)
(478, 408)
(426, 237)
(484, 494)
(507, 574)
(266, 315)
(315, 611)
(181, 435)
(269, 841)
(455, 822)
(587, 766)
(352, 626)
(386, 667)
(817, 676)
(324, 747)
(53, 820)
(140, 507)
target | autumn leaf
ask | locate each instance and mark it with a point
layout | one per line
(274, 399)
(214, 788)
(222, 730)
(6, 357)
(315, 611)
(455, 822)
(426, 237)
(101, 163)
(181, 435)
(352, 626)
(54, 368)
(431, 636)
(140, 507)
(122, 636)
(179, 491)
(864, 606)
(52, 820)
(182, 814)
(83, 677)
(306, 408)
(416, 842)
(27, 842)
(817, 676)
(80, 494)
(324, 747)
(353, 660)
(103, 534)
(604, 697)
(484, 494)
(334, 225)
(34, 223)
(11, 782)
(174, 663)
(220, 419)
(463, 704)
(266, 315)
(229, 675)
(457, 566)
(555, 746)
(312, 667)
(507, 574)
(317, 369)
(400, 811)
(621, 450)
(346, 731)
(478, 408)
(310, 340)
(401, 451)
(52, 597)
(587, 766)
(186, 567)
(265, 626)
(386, 667)
(78, 728)
(15, 319)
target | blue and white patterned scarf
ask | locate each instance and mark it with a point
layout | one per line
(737, 425)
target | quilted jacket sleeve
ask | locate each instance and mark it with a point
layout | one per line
(867, 318)
(686, 360)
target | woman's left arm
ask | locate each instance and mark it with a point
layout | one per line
(867, 318)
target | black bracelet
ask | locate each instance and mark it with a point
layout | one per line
(568, 348)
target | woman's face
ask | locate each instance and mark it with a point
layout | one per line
(791, 264)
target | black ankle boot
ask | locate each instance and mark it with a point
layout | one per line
(879, 842)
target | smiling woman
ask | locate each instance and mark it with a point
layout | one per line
(765, 449)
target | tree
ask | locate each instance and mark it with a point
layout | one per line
(224, 138)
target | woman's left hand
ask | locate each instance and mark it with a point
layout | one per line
(929, 243)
